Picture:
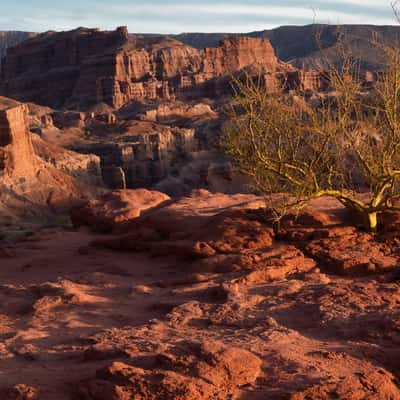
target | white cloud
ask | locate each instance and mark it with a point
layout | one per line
(220, 16)
(380, 4)
(225, 10)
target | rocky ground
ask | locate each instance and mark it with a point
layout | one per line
(200, 298)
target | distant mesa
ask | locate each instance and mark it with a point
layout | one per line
(84, 67)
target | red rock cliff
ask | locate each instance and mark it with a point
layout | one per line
(17, 157)
(33, 183)
(235, 54)
(86, 66)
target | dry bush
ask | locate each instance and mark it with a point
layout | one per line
(347, 143)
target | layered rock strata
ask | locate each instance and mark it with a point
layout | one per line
(86, 66)
(11, 38)
(32, 184)
(17, 157)
(141, 159)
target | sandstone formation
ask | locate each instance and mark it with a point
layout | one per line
(21, 392)
(134, 149)
(233, 240)
(245, 239)
(86, 67)
(116, 207)
(35, 183)
(180, 113)
(298, 45)
(17, 157)
(171, 154)
(153, 105)
(141, 154)
(292, 44)
(84, 168)
(192, 371)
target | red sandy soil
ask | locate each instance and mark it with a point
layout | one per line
(201, 299)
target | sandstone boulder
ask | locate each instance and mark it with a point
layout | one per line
(353, 388)
(353, 254)
(213, 241)
(103, 214)
(180, 112)
(210, 243)
(189, 371)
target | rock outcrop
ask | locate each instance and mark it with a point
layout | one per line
(116, 207)
(128, 153)
(142, 155)
(85, 168)
(246, 238)
(86, 66)
(173, 89)
(206, 241)
(191, 371)
(32, 184)
(314, 45)
(179, 113)
(17, 157)
(21, 392)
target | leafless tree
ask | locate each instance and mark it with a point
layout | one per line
(348, 142)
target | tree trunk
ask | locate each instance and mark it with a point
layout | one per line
(368, 219)
(372, 221)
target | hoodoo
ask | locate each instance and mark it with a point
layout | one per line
(16, 152)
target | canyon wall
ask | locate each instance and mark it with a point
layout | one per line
(142, 159)
(80, 68)
(11, 38)
(97, 71)
(34, 183)
(46, 68)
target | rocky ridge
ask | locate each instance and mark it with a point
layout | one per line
(91, 66)
(292, 44)
(298, 46)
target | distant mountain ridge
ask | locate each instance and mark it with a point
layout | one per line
(294, 44)
(298, 45)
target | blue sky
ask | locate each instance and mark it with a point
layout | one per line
(164, 16)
